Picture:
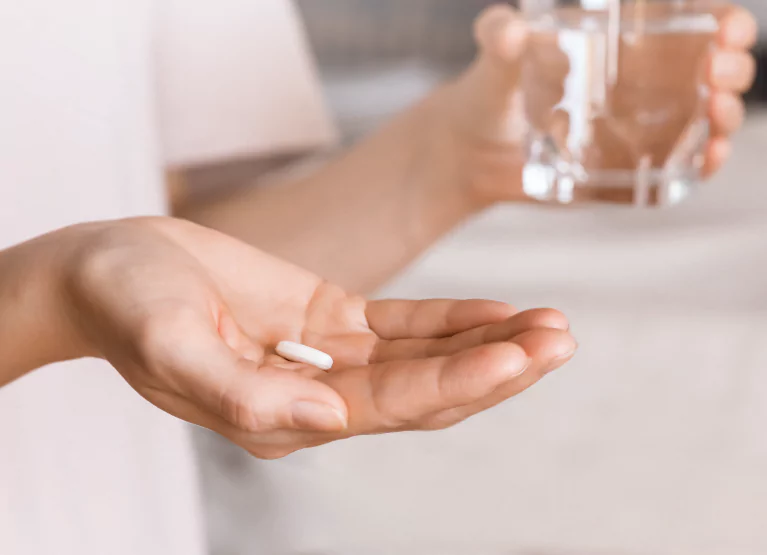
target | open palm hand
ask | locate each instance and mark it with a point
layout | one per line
(191, 317)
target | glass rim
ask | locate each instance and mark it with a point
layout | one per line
(527, 6)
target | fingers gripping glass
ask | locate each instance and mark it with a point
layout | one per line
(616, 99)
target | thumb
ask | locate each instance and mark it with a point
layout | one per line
(501, 36)
(490, 87)
(215, 380)
(258, 399)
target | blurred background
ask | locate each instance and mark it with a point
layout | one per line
(604, 461)
(393, 51)
(376, 57)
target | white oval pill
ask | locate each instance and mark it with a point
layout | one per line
(296, 352)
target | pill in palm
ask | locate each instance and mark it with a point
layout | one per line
(296, 352)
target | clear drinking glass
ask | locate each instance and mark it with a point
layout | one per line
(615, 97)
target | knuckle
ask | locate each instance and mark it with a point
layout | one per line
(457, 389)
(391, 412)
(390, 416)
(237, 409)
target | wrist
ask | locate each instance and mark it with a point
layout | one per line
(37, 328)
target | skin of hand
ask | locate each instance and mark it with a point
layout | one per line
(190, 317)
(381, 204)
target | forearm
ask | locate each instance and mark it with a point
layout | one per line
(34, 326)
(363, 217)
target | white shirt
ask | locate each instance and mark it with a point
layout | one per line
(98, 97)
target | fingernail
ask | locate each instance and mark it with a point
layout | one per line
(516, 372)
(566, 354)
(310, 415)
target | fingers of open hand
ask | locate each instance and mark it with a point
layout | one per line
(399, 319)
(548, 350)
(396, 395)
(380, 398)
(403, 395)
(403, 349)
(275, 409)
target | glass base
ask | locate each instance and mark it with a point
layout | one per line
(638, 188)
